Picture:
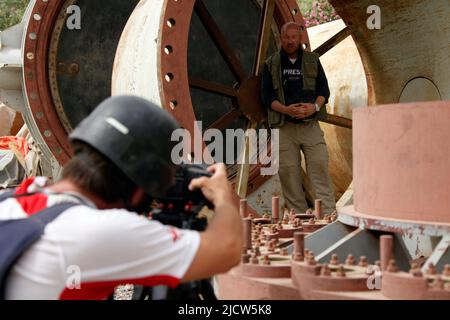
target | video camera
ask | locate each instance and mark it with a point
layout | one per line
(180, 206)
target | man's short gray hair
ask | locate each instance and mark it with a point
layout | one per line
(292, 25)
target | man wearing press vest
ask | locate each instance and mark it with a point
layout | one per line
(295, 91)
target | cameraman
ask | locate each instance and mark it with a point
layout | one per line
(121, 163)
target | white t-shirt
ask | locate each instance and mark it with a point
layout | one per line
(85, 252)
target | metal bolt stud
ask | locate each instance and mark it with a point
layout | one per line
(415, 270)
(311, 259)
(446, 271)
(243, 208)
(276, 208)
(247, 230)
(392, 266)
(431, 270)
(334, 259)
(286, 214)
(341, 271)
(266, 260)
(292, 216)
(334, 216)
(318, 209)
(325, 271)
(257, 251)
(438, 283)
(363, 262)
(297, 223)
(386, 250)
(350, 260)
(245, 257)
(271, 247)
(299, 246)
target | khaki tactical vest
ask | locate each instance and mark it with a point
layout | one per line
(310, 69)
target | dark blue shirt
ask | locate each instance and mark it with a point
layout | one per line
(292, 82)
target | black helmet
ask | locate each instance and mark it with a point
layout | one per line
(135, 135)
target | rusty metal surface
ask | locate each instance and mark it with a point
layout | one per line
(407, 46)
(80, 60)
(132, 67)
(348, 88)
(36, 84)
(311, 278)
(349, 216)
(251, 288)
(153, 60)
(416, 286)
(59, 100)
(409, 179)
(391, 67)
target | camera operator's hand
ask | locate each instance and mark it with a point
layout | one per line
(221, 243)
(216, 189)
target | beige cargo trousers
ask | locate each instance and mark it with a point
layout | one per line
(308, 138)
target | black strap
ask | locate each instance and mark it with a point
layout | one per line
(6, 195)
(49, 214)
(10, 194)
(46, 215)
(19, 234)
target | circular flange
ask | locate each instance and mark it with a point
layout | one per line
(67, 69)
(405, 286)
(41, 67)
(173, 50)
(349, 216)
(308, 279)
(36, 81)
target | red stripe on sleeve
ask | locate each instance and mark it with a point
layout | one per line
(102, 290)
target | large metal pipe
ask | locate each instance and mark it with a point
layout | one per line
(166, 68)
